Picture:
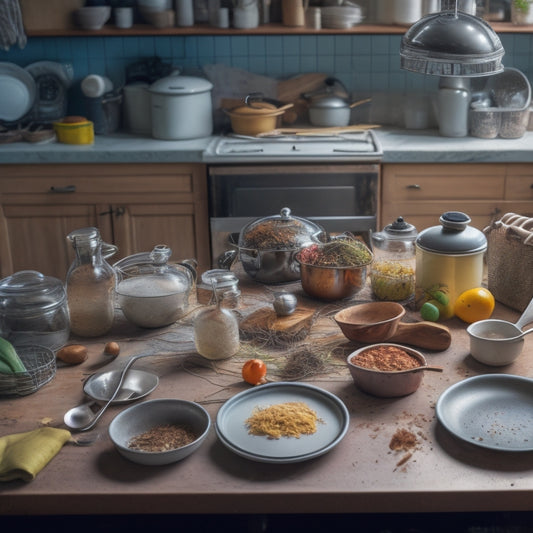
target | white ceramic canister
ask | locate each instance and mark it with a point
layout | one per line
(184, 12)
(181, 108)
(138, 108)
(407, 12)
(453, 101)
(246, 14)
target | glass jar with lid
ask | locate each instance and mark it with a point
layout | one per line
(34, 310)
(392, 274)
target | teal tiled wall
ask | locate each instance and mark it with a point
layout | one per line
(365, 63)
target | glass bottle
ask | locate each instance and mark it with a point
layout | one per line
(216, 330)
(90, 284)
(392, 274)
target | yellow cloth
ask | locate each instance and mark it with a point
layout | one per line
(24, 455)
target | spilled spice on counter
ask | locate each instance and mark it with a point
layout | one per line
(403, 439)
(291, 419)
(386, 358)
(163, 438)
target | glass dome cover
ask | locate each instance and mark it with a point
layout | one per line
(281, 232)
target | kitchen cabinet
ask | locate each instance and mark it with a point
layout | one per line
(422, 192)
(134, 206)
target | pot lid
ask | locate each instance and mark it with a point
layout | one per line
(329, 101)
(24, 291)
(280, 232)
(181, 85)
(454, 236)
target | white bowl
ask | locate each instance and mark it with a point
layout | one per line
(92, 17)
(487, 348)
(144, 416)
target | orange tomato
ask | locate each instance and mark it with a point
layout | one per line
(254, 371)
(474, 304)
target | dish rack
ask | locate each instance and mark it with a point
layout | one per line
(40, 363)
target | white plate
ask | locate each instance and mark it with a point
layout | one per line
(493, 411)
(17, 88)
(233, 433)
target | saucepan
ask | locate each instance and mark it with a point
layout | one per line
(381, 321)
(499, 342)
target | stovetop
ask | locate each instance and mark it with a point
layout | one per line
(352, 147)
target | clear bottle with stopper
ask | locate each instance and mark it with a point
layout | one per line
(90, 284)
(216, 329)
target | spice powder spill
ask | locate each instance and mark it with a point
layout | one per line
(163, 438)
(291, 419)
(403, 439)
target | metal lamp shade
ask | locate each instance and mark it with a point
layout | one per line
(451, 43)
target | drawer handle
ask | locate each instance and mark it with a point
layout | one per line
(63, 190)
(414, 186)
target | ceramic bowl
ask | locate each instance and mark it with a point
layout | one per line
(386, 384)
(488, 345)
(92, 17)
(144, 416)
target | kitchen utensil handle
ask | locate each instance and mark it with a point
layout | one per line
(425, 334)
(63, 190)
(527, 316)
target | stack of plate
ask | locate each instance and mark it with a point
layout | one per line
(341, 17)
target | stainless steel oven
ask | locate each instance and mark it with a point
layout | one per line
(333, 181)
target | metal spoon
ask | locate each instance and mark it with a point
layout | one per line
(82, 417)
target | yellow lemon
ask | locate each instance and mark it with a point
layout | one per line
(474, 304)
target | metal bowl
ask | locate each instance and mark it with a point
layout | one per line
(137, 384)
(387, 384)
(332, 283)
(144, 416)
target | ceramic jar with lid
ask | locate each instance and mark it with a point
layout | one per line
(449, 259)
(392, 274)
(268, 246)
(34, 310)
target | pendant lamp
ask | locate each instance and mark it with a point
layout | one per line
(451, 43)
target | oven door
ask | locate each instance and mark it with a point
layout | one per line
(339, 197)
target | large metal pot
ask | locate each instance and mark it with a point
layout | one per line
(181, 108)
(267, 246)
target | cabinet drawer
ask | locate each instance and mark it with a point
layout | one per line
(519, 188)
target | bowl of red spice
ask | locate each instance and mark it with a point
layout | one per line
(334, 270)
(388, 370)
(160, 432)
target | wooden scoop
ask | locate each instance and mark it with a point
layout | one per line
(427, 335)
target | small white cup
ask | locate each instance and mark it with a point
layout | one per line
(223, 17)
(123, 17)
(94, 86)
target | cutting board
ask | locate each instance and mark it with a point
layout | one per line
(334, 130)
(265, 324)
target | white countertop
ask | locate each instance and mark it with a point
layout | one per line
(399, 146)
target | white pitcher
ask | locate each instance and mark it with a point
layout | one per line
(245, 14)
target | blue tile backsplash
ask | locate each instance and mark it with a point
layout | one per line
(365, 63)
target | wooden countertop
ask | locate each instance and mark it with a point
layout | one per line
(360, 475)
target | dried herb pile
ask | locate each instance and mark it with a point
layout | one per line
(342, 252)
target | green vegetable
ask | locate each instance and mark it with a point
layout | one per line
(10, 358)
(441, 297)
(429, 312)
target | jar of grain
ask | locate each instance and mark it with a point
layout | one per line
(392, 274)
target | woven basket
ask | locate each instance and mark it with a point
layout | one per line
(40, 363)
(510, 260)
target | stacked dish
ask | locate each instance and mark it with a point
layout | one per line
(341, 17)
(18, 91)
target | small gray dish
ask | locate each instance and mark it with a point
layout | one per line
(137, 384)
(144, 416)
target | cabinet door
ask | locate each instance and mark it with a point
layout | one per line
(33, 237)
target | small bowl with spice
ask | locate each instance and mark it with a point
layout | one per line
(334, 270)
(160, 432)
(388, 370)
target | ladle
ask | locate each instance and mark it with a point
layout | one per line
(82, 417)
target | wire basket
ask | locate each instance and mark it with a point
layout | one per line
(40, 363)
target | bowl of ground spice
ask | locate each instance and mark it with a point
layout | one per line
(160, 432)
(388, 370)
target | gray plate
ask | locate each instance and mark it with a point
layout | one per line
(137, 384)
(493, 411)
(231, 428)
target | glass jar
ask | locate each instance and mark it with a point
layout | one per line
(33, 310)
(216, 331)
(90, 284)
(392, 275)
(449, 261)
